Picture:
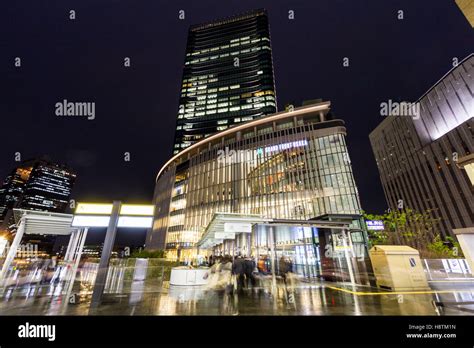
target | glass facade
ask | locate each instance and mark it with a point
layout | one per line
(314, 252)
(227, 77)
(292, 165)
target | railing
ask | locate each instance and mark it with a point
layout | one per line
(124, 276)
(447, 269)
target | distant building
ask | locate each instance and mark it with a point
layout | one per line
(227, 77)
(420, 159)
(36, 185)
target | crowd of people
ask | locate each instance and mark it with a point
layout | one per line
(243, 272)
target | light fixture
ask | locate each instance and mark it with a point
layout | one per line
(137, 209)
(90, 221)
(93, 208)
(135, 221)
(99, 215)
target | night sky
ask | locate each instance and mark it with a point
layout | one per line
(136, 107)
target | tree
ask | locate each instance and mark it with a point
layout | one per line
(409, 227)
(444, 249)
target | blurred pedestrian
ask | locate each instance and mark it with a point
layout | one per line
(238, 270)
(261, 265)
(284, 267)
(249, 265)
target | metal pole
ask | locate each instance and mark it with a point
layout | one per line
(348, 258)
(12, 251)
(257, 244)
(306, 253)
(76, 258)
(75, 237)
(105, 257)
(273, 257)
(69, 245)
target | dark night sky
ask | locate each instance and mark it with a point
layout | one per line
(82, 60)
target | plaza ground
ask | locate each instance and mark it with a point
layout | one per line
(301, 297)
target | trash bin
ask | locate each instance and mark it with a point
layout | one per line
(398, 268)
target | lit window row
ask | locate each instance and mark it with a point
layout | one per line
(225, 55)
(222, 108)
(235, 42)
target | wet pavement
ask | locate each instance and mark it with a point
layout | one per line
(300, 298)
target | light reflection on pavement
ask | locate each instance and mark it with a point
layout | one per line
(303, 298)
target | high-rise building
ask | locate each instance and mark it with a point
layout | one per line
(36, 185)
(227, 77)
(12, 189)
(419, 157)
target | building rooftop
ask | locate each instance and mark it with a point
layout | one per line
(226, 20)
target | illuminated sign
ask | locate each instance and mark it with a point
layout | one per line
(223, 235)
(285, 146)
(374, 225)
(234, 227)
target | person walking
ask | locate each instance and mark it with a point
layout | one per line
(249, 264)
(284, 267)
(238, 270)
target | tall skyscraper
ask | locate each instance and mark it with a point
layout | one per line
(227, 77)
(36, 185)
(418, 158)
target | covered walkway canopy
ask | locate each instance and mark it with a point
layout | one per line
(227, 225)
(44, 223)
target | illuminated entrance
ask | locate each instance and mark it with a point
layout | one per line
(333, 248)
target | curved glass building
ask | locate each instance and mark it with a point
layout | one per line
(291, 164)
(227, 77)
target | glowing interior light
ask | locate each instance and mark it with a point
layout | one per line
(92, 208)
(135, 221)
(90, 221)
(137, 209)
